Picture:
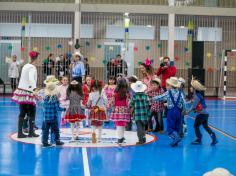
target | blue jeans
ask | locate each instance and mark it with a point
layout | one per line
(53, 126)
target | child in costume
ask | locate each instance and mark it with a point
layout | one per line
(181, 88)
(86, 90)
(74, 113)
(132, 79)
(109, 90)
(121, 112)
(139, 105)
(64, 103)
(199, 106)
(50, 109)
(175, 103)
(157, 108)
(97, 102)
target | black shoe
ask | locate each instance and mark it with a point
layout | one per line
(33, 135)
(140, 143)
(36, 128)
(26, 130)
(76, 138)
(120, 141)
(197, 142)
(214, 139)
(45, 145)
(59, 143)
(21, 135)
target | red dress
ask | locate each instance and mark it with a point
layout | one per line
(86, 91)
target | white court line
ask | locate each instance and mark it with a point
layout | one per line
(85, 162)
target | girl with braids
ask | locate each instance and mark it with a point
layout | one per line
(97, 102)
(121, 112)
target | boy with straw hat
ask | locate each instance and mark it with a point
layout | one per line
(51, 108)
(175, 102)
(199, 106)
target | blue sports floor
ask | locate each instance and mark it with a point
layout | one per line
(155, 159)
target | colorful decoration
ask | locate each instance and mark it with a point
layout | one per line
(126, 27)
(9, 47)
(135, 49)
(190, 35)
(232, 54)
(22, 49)
(233, 69)
(210, 69)
(209, 55)
(111, 48)
(23, 24)
(186, 63)
(93, 58)
(47, 48)
(159, 45)
(77, 45)
(104, 61)
(147, 48)
(59, 46)
(35, 49)
(69, 55)
(186, 50)
(99, 46)
(177, 58)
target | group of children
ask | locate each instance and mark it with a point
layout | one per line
(122, 100)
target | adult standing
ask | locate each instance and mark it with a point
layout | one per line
(77, 68)
(25, 95)
(48, 65)
(13, 72)
(147, 73)
(166, 70)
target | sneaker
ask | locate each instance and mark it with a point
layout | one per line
(197, 142)
(46, 145)
(140, 143)
(25, 130)
(59, 143)
(214, 139)
(33, 135)
(21, 136)
(76, 138)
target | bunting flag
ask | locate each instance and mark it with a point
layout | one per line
(126, 26)
(190, 35)
(23, 24)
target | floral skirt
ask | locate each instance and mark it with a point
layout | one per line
(24, 97)
(74, 118)
(121, 113)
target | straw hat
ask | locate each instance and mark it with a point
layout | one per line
(218, 172)
(51, 79)
(181, 80)
(74, 82)
(173, 81)
(157, 80)
(138, 86)
(51, 85)
(77, 53)
(197, 85)
(134, 76)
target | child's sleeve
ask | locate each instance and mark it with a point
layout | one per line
(89, 103)
(161, 97)
(58, 105)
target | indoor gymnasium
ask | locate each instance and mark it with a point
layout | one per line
(117, 87)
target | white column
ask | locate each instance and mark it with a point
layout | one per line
(77, 20)
(171, 37)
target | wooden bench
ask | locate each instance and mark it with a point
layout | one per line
(2, 83)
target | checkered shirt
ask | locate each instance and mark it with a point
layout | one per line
(51, 108)
(155, 105)
(140, 104)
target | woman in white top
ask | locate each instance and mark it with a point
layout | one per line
(24, 95)
(13, 72)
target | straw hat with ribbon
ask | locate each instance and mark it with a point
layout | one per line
(181, 80)
(157, 80)
(173, 81)
(197, 85)
(51, 85)
(138, 86)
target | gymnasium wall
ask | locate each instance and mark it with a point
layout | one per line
(144, 48)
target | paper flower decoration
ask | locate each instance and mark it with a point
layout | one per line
(177, 58)
(209, 55)
(186, 49)
(35, 49)
(210, 70)
(187, 63)
(87, 43)
(159, 45)
(70, 42)
(93, 58)
(104, 61)
(47, 48)
(59, 46)
(111, 48)
(233, 69)
(99, 46)
(147, 48)
(22, 49)
(10, 47)
(135, 49)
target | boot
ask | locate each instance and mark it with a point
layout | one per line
(20, 125)
(214, 139)
(94, 140)
(31, 129)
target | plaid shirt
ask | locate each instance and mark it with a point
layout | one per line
(156, 106)
(140, 104)
(51, 107)
(170, 104)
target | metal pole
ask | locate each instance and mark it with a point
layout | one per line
(77, 21)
